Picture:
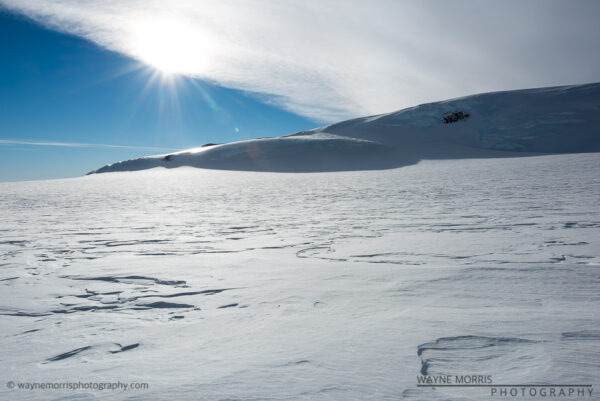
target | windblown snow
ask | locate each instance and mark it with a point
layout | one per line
(208, 284)
(549, 120)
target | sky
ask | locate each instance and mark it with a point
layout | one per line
(86, 83)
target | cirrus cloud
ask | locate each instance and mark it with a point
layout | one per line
(336, 59)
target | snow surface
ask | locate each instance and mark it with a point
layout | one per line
(222, 285)
(562, 119)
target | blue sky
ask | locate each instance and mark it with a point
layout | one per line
(66, 90)
(146, 74)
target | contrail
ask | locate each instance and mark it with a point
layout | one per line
(79, 145)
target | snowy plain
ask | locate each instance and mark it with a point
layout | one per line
(232, 285)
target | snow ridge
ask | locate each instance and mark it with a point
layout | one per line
(563, 119)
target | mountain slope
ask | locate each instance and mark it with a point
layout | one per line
(562, 119)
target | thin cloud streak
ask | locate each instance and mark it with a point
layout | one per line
(341, 58)
(80, 145)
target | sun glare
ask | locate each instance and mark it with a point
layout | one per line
(169, 46)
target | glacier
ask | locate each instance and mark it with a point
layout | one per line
(218, 285)
(307, 282)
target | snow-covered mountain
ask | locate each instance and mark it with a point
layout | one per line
(209, 284)
(563, 119)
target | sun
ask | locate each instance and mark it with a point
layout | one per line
(170, 46)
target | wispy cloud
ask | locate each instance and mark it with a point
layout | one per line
(80, 145)
(342, 58)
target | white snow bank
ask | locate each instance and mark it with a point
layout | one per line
(549, 120)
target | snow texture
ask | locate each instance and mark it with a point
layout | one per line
(222, 285)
